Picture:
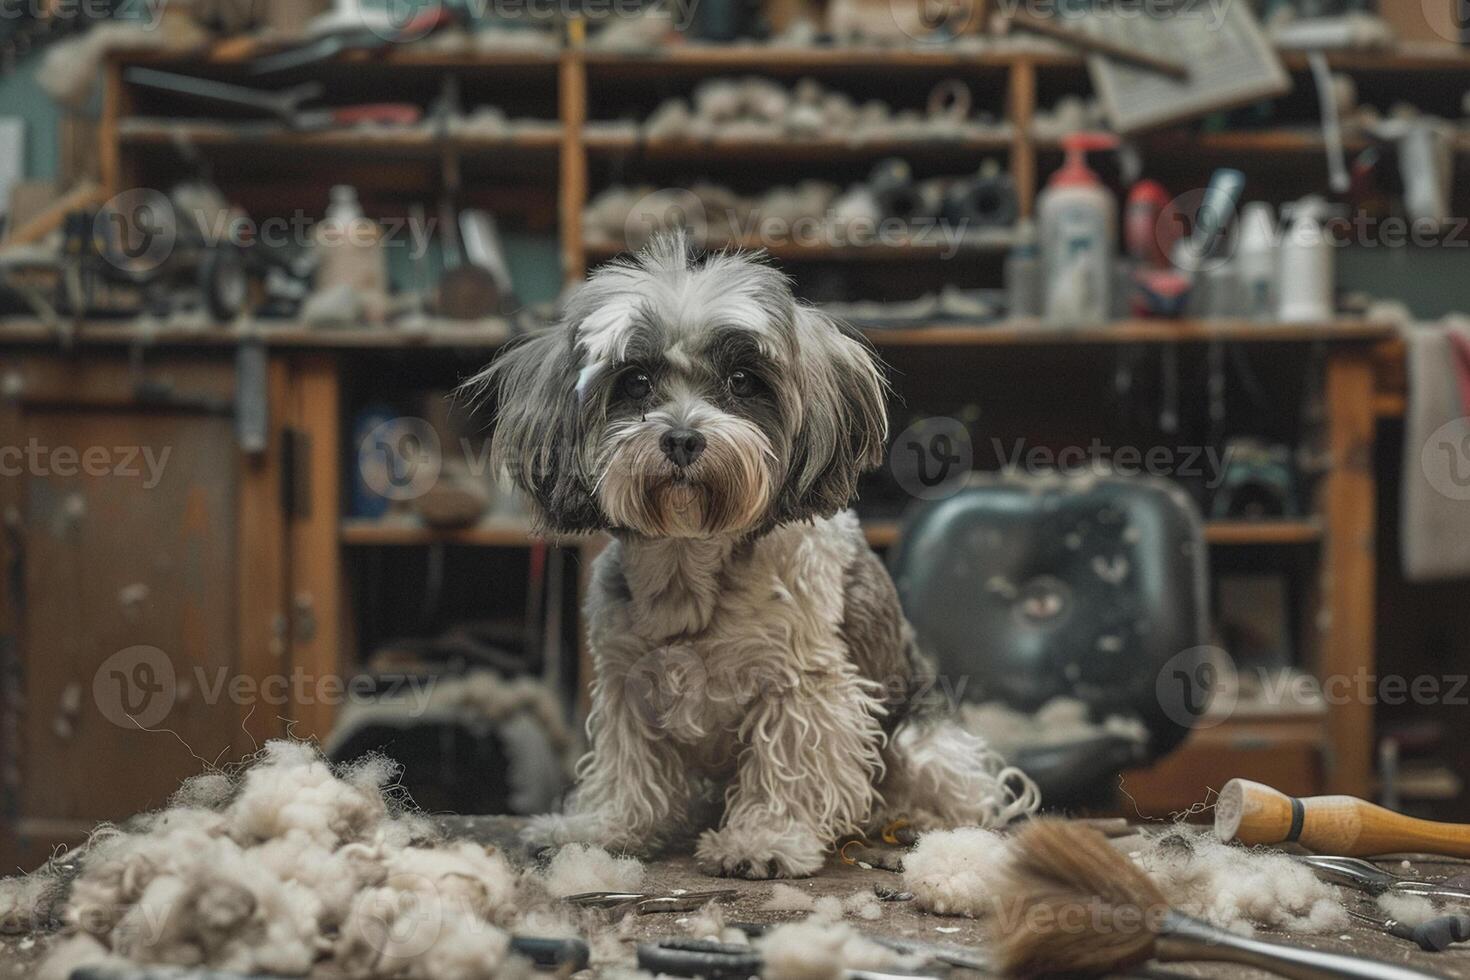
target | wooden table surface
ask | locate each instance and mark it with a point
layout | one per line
(20, 955)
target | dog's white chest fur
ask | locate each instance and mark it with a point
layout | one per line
(698, 631)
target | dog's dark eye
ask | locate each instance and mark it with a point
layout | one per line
(743, 384)
(636, 386)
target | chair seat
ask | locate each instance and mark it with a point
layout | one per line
(1085, 587)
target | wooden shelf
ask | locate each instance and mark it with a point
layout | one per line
(610, 143)
(444, 335)
(491, 334)
(407, 140)
(1408, 59)
(776, 60)
(1263, 532)
(881, 533)
(393, 533)
(995, 242)
(1132, 332)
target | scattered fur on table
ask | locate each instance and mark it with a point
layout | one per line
(1411, 910)
(291, 865)
(861, 903)
(822, 948)
(748, 646)
(27, 902)
(580, 868)
(1240, 888)
(952, 872)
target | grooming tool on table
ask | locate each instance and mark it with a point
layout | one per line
(964, 957)
(727, 961)
(1253, 813)
(1434, 936)
(699, 958)
(284, 105)
(1370, 878)
(1063, 875)
(640, 903)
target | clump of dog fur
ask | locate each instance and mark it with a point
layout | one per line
(292, 865)
(955, 872)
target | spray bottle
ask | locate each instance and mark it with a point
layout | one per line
(1305, 274)
(1256, 256)
(1078, 221)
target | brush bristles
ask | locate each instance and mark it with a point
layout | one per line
(1073, 904)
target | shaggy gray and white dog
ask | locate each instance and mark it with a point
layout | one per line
(749, 647)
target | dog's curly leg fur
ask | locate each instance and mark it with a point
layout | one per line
(805, 778)
(632, 790)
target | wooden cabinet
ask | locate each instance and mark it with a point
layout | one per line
(145, 608)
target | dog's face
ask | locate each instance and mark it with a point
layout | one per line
(687, 398)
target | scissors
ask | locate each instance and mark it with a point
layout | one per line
(642, 903)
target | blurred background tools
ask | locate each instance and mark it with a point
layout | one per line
(285, 105)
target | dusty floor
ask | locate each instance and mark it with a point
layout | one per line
(19, 955)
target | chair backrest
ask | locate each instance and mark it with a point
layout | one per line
(1089, 587)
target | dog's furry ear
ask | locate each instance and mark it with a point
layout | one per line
(532, 385)
(844, 418)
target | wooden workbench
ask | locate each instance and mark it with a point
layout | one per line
(19, 956)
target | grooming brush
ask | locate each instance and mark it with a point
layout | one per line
(1256, 814)
(1071, 903)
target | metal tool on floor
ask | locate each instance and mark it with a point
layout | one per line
(1433, 935)
(726, 961)
(645, 903)
(285, 105)
(1369, 878)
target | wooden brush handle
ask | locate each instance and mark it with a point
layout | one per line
(1253, 813)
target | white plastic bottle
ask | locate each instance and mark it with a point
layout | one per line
(1305, 271)
(1255, 254)
(1078, 221)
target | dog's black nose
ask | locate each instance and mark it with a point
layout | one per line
(681, 446)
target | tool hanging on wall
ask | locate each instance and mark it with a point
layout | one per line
(352, 27)
(285, 105)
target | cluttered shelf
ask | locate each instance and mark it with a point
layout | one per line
(620, 142)
(773, 58)
(549, 138)
(1032, 332)
(1279, 141)
(880, 533)
(409, 140)
(992, 241)
(494, 332)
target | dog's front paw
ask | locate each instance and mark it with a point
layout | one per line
(737, 853)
